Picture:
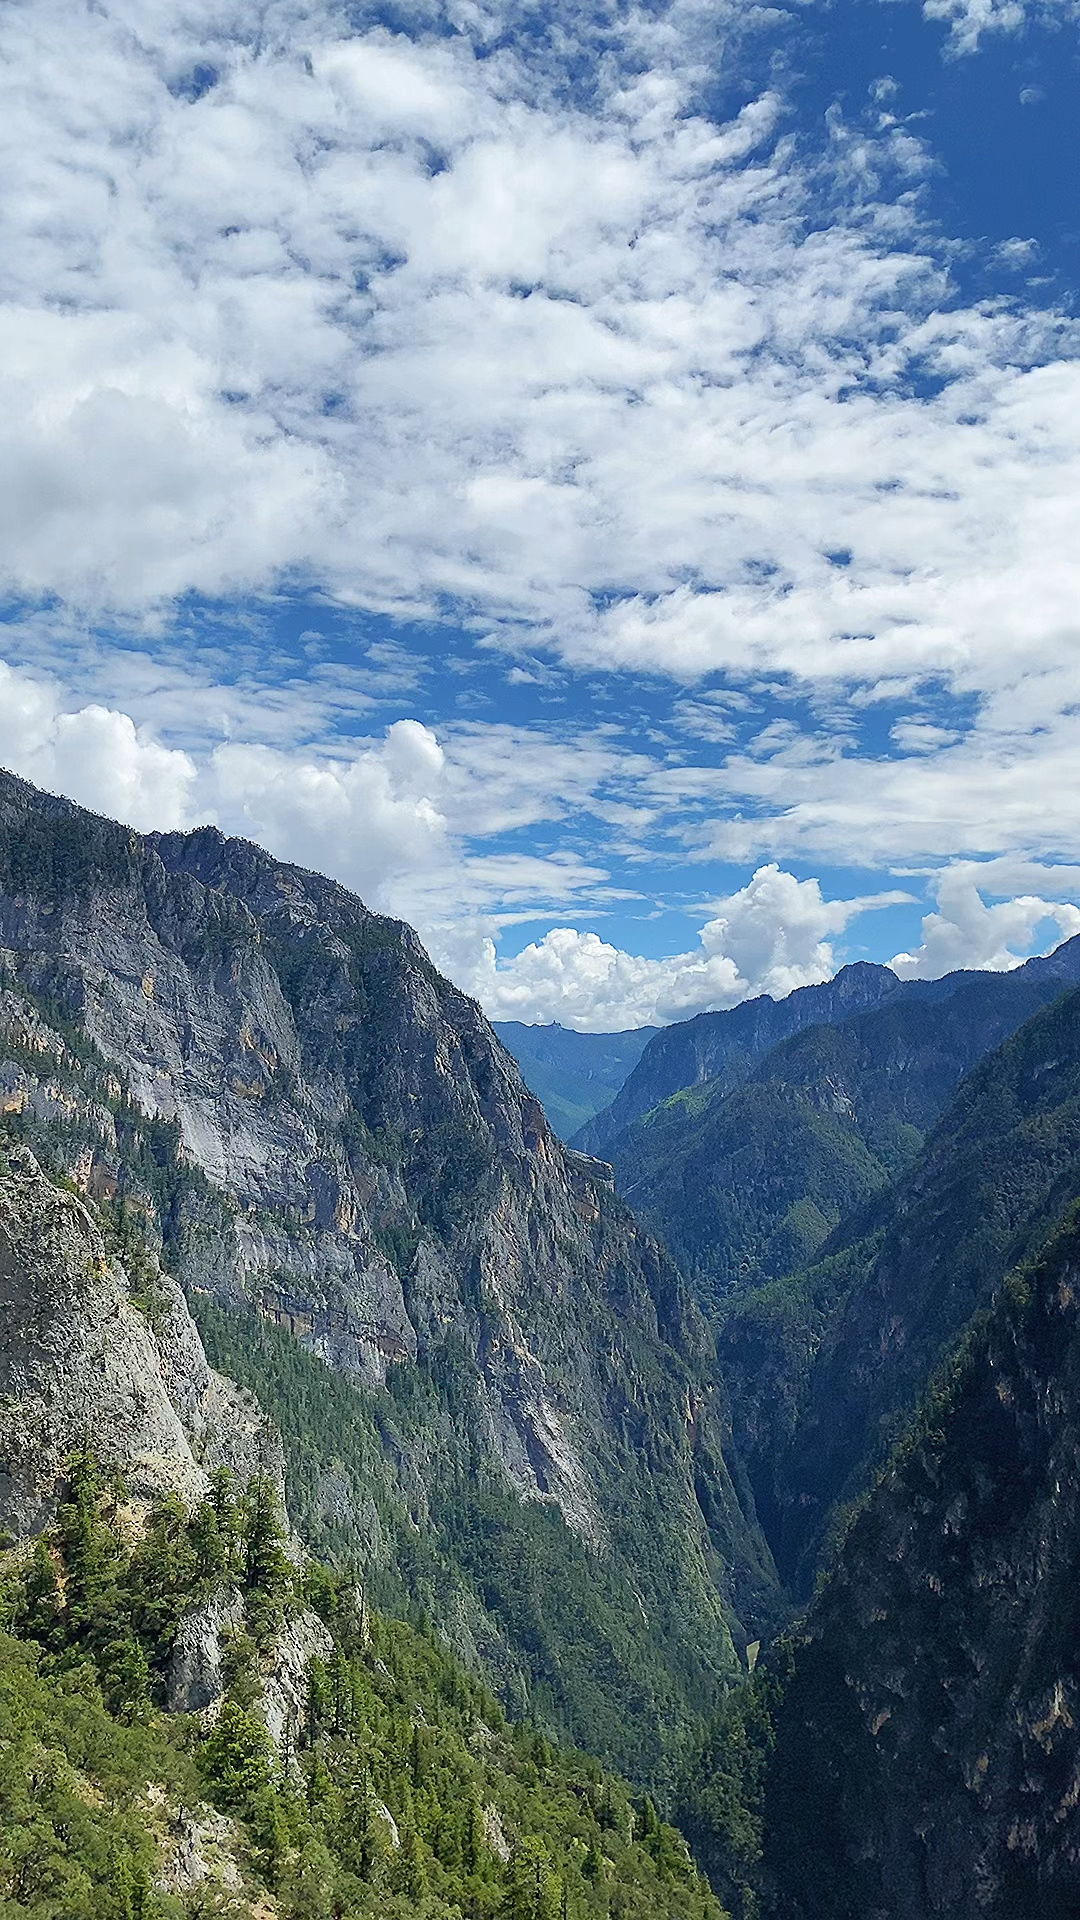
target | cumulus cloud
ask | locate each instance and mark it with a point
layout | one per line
(966, 932)
(95, 755)
(370, 820)
(768, 937)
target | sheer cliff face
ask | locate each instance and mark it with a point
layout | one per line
(928, 1756)
(81, 1364)
(375, 1176)
(390, 1178)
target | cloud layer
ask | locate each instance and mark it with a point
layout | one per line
(373, 311)
(508, 332)
(418, 826)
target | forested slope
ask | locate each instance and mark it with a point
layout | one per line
(196, 1719)
(927, 1755)
(744, 1182)
(824, 1365)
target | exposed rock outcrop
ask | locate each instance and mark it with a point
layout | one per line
(195, 1679)
(81, 1364)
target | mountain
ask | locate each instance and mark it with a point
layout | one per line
(573, 1075)
(725, 1047)
(196, 1718)
(823, 1366)
(492, 1390)
(926, 1751)
(745, 1184)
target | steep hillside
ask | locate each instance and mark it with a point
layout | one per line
(745, 1185)
(332, 1148)
(822, 1366)
(573, 1075)
(927, 1756)
(725, 1047)
(196, 1721)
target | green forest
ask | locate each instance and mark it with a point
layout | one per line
(399, 1787)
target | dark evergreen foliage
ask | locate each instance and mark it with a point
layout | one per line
(401, 1791)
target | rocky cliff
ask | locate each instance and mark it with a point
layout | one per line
(927, 1753)
(326, 1139)
(824, 1366)
(83, 1363)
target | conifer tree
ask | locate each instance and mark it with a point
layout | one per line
(409, 1875)
(38, 1608)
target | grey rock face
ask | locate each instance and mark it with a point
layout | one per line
(340, 1144)
(79, 1363)
(195, 1666)
(201, 1849)
(285, 1687)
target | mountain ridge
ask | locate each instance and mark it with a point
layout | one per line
(325, 1137)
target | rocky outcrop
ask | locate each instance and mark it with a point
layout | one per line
(200, 1854)
(80, 1363)
(195, 1677)
(283, 1706)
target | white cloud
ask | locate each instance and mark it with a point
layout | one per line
(94, 755)
(404, 820)
(769, 937)
(378, 313)
(417, 824)
(371, 820)
(966, 932)
(411, 321)
(969, 20)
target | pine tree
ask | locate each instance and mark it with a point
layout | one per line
(88, 1551)
(267, 1570)
(38, 1607)
(409, 1876)
(208, 1543)
(534, 1891)
(473, 1836)
(126, 1678)
(237, 1757)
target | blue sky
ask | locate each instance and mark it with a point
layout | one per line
(604, 484)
